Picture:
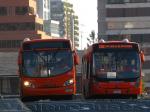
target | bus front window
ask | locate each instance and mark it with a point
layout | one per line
(125, 64)
(46, 63)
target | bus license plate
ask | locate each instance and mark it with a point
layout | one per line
(117, 91)
(111, 75)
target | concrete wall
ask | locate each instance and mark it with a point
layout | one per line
(8, 63)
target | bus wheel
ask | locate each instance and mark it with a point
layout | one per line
(21, 97)
(24, 99)
(66, 97)
(70, 97)
(85, 94)
(134, 96)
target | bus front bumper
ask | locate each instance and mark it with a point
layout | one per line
(66, 90)
(110, 90)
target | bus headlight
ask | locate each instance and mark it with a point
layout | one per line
(28, 84)
(68, 82)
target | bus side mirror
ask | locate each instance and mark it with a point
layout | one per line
(76, 58)
(20, 62)
(142, 56)
(19, 57)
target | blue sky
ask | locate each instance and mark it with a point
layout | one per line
(87, 12)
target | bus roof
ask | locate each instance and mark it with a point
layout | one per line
(45, 40)
(46, 43)
(112, 45)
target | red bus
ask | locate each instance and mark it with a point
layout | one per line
(47, 67)
(112, 68)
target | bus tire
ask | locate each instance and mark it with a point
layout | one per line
(134, 96)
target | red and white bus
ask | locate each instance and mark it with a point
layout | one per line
(47, 67)
(112, 68)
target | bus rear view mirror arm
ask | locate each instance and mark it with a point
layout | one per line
(142, 56)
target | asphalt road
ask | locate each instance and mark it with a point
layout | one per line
(107, 105)
(99, 105)
(13, 105)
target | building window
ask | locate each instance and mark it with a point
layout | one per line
(10, 43)
(3, 11)
(17, 26)
(39, 27)
(128, 12)
(128, 25)
(21, 10)
(45, 3)
(138, 1)
(115, 1)
(115, 12)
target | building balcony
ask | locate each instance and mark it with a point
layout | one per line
(17, 19)
(76, 39)
(76, 44)
(76, 33)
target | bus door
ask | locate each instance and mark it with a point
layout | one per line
(88, 79)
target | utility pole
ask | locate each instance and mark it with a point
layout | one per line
(81, 33)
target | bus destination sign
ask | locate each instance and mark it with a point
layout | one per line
(115, 46)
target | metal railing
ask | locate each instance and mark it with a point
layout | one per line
(9, 86)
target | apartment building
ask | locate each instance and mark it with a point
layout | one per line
(55, 29)
(118, 19)
(63, 12)
(18, 20)
(43, 11)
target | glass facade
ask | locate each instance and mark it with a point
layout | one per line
(57, 14)
(55, 28)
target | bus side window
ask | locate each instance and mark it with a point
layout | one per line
(83, 69)
(87, 70)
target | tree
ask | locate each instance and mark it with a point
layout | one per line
(91, 39)
(92, 35)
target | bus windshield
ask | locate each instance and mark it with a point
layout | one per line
(116, 64)
(46, 63)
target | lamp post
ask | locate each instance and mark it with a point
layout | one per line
(81, 33)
